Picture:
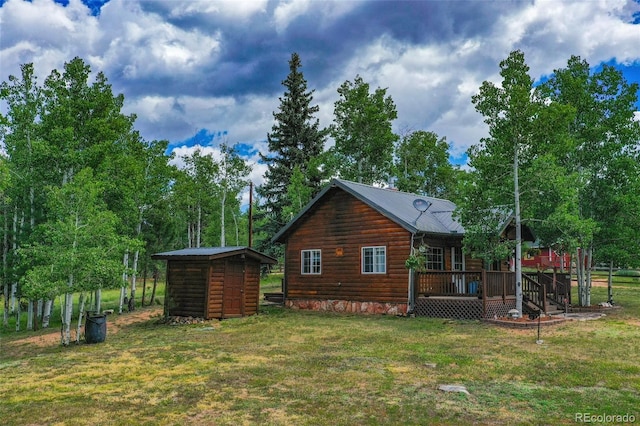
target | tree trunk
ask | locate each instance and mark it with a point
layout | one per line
(80, 316)
(5, 265)
(223, 240)
(30, 313)
(588, 275)
(67, 310)
(581, 277)
(199, 225)
(518, 260)
(46, 313)
(98, 306)
(144, 284)
(123, 289)
(610, 283)
(132, 298)
(153, 290)
(18, 312)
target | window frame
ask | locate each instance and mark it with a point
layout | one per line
(311, 265)
(430, 254)
(375, 257)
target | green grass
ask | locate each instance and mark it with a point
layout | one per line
(288, 367)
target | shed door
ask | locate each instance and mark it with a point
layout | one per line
(233, 293)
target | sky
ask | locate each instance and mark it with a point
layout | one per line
(197, 73)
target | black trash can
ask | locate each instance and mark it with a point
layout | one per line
(95, 328)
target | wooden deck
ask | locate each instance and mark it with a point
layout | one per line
(485, 294)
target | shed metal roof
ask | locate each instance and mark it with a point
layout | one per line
(210, 253)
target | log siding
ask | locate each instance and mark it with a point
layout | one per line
(340, 227)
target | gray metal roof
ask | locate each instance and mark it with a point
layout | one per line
(208, 253)
(397, 206)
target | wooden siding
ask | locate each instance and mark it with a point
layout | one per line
(216, 289)
(252, 288)
(187, 287)
(340, 226)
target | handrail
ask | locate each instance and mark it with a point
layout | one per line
(558, 287)
(534, 292)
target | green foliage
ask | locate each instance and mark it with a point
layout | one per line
(80, 248)
(296, 140)
(364, 140)
(422, 165)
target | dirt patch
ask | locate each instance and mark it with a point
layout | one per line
(51, 336)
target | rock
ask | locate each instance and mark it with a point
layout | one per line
(453, 388)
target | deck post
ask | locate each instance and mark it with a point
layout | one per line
(484, 293)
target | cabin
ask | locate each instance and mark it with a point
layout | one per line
(346, 251)
(543, 258)
(213, 282)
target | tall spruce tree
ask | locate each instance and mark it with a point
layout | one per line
(296, 140)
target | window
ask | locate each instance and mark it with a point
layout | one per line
(457, 259)
(435, 258)
(311, 262)
(374, 260)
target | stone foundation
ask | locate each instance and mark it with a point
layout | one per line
(377, 308)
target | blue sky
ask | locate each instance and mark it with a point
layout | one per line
(203, 72)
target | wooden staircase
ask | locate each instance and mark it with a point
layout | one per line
(543, 293)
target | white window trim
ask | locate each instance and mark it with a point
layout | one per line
(312, 252)
(374, 248)
(442, 254)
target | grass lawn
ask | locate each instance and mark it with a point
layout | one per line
(286, 367)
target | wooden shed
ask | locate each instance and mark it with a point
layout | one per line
(213, 282)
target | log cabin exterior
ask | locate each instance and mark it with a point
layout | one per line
(213, 282)
(346, 251)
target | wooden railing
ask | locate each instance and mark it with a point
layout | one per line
(448, 283)
(558, 287)
(534, 292)
(499, 283)
(536, 289)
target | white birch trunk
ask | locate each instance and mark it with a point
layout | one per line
(223, 240)
(5, 263)
(98, 306)
(610, 283)
(588, 276)
(199, 229)
(14, 286)
(5, 316)
(80, 316)
(67, 311)
(132, 299)
(46, 313)
(123, 289)
(29, 315)
(518, 260)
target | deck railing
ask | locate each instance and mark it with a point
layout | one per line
(448, 283)
(558, 287)
(465, 283)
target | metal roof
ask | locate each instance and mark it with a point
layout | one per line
(209, 253)
(397, 206)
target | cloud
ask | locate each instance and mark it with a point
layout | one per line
(186, 65)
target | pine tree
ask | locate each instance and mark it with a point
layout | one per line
(296, 140)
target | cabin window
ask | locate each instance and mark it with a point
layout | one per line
(435, 258)
(311, 262)
(457, 259)
(374, 260)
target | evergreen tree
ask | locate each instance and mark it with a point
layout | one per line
(295, 141)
